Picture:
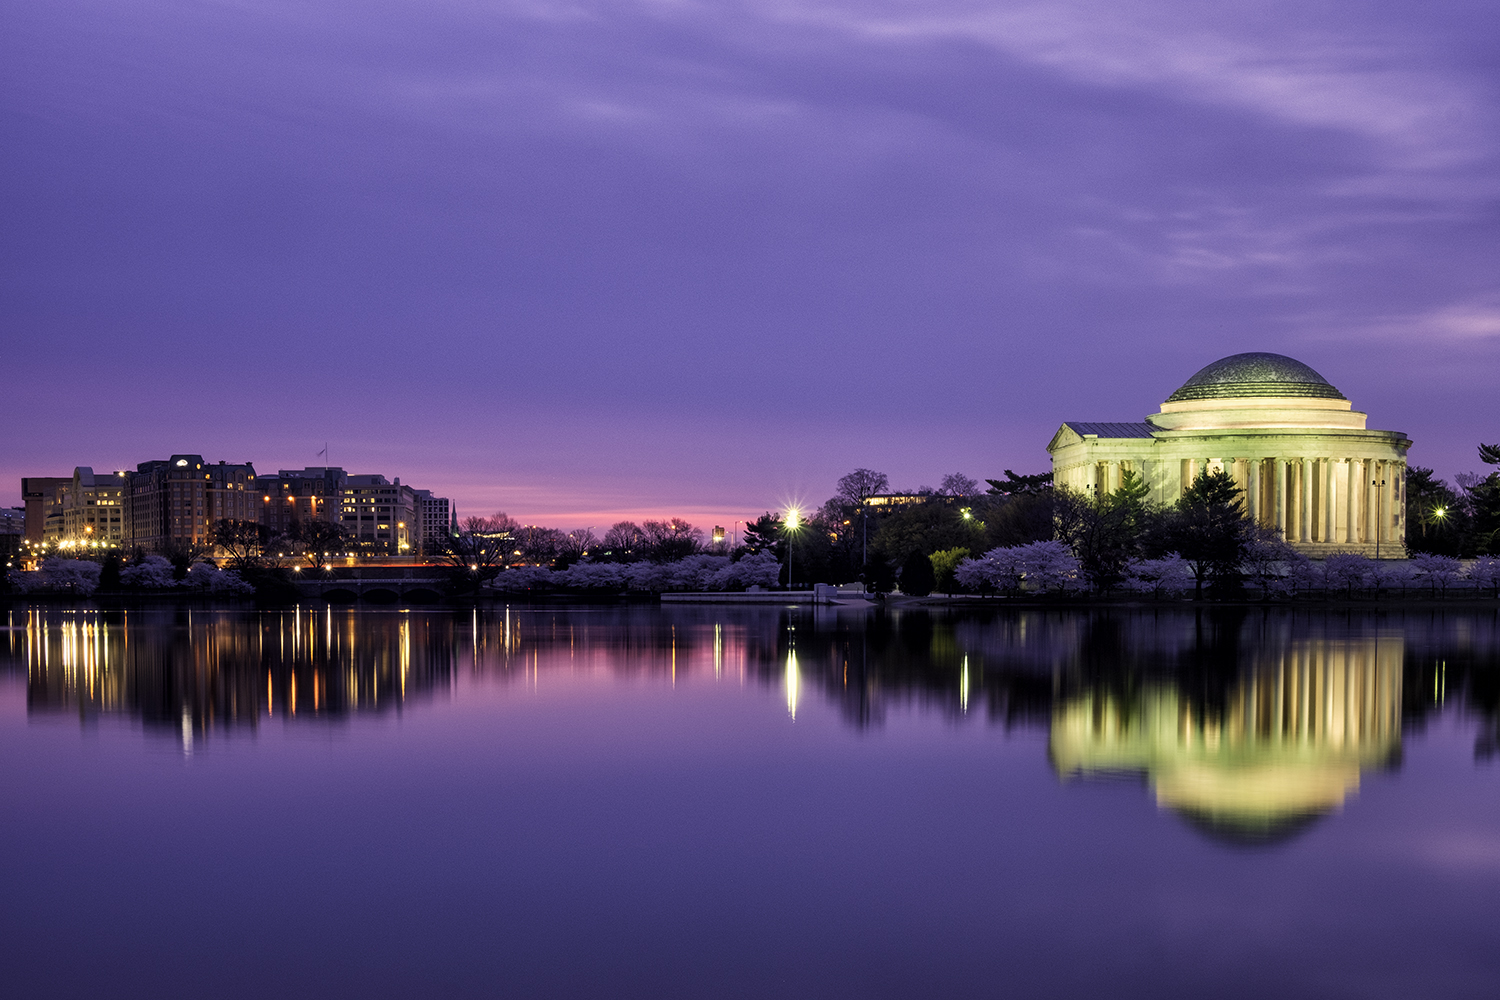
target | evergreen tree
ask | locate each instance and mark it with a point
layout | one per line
(917, 578)
(878, 576)
(1435, 520)
(1105, 532)
(109, 572)
(1014, 485)
(764, 534)
(1208, 528)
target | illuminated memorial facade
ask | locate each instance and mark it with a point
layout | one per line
(1307, 464)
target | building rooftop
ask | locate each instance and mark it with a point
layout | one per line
(1110, 430)
(1255, 374)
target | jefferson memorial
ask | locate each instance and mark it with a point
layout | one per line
(1300, 452)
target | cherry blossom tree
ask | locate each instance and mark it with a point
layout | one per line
(1347, 570)
(759, 569)
(208, 578)
(1437, 572)
(150, 573)
(1268, 561)
(1038, 567)
(1485, 574)
(1168, 575)
(59, 576)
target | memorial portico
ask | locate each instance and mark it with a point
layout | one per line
(1293, 443)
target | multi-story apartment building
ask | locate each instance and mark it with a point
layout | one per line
(12, 533)
(298, 495)
(177, 501)
(78, 511)
(438, 520)
(40, 496)
(94, 510)
(166, 503)
(381, 517)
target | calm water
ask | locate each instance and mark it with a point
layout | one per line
(707, 802)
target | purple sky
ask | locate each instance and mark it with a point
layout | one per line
(585, 260)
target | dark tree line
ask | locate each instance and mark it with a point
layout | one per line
(1458, 520)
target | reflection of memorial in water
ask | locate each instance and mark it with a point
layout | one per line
(194, 671)
(1285, 746)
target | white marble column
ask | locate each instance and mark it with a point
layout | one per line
(1330, 510)
(1351, 516)
(1387, 508)
(1290, 532)
(1281, 497)
(1252, 491)
(1304, 526)
(1399, 493)
(1371, 468)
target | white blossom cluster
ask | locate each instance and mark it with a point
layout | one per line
(153, 573)
(700, 572)
(1272, 566)
(1036, 568)
(58, 576)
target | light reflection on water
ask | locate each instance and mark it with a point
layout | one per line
(1250, 724)
(654, 802)
(1284, 743)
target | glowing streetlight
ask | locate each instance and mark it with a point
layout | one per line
(793, 522)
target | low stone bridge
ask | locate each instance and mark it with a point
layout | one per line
(374, 584)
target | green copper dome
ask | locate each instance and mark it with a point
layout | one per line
(1255, 374)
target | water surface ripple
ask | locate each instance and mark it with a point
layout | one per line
(749, 802)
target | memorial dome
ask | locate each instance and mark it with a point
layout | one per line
(1256, 374)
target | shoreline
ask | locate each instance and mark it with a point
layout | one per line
(126, 601)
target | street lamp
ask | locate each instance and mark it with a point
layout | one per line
(793, 522)
(1379, 485)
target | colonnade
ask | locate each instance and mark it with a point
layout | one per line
(1329, 501)
(1348, 501)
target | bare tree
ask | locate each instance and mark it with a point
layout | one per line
(861, 484)
(671, 539)
(623, 541)
(539, 545)
(577, 544)
(242, 542)
(501, 524)
(482, 548)
(848, 516)
(957, 484)
(182, 553)
(320, 540)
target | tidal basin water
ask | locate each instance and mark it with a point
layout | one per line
(749, 802)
